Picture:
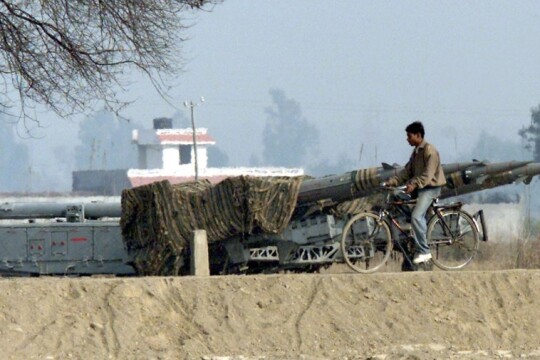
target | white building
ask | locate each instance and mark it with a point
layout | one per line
(165, 153)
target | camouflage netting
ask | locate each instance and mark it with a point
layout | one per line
(352, 207)
(158, 219)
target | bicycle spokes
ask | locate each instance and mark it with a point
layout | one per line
(366, 242)
(453, 239)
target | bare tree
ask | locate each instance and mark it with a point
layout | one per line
(70, 54)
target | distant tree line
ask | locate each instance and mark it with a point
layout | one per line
(288, 138)
(531, 134)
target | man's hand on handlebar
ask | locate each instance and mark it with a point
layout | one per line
(386, 186)
(410, 188)
(398, 191)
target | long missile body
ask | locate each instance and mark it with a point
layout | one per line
(519, 174)
(460, 166)
(357, 183)
(479, 173)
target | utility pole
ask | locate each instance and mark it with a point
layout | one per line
(192, 105)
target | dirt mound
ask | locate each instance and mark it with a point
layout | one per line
(424, 315)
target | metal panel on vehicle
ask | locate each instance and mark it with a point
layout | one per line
(80, 243)
(12, 244)
(108, 243)
(38, 242)
(59, 241)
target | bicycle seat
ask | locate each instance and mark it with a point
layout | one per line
(452, 206)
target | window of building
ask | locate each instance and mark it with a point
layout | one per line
(185, 154)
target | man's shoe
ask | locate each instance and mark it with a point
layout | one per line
(421, 258)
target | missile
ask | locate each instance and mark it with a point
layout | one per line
(461, 166)
(523, 174)
(333, 189)
(479, 173)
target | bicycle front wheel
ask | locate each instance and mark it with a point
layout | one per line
(366, 243)
(452, 239)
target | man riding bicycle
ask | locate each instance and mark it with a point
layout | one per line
(424, 177)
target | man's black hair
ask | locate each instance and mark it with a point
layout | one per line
(415, 128)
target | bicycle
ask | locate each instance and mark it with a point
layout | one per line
(369, 238)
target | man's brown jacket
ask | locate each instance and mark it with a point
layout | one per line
(423, 169)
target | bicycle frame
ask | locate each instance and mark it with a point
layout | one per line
(434, 208)
(385, 213)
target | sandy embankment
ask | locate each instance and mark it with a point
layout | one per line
(333, 316)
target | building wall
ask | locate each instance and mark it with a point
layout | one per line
(171, 156)
(154, 157)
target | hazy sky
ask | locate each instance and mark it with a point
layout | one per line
(361, 71)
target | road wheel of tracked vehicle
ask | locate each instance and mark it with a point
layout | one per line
(454, 242)
(366, 243)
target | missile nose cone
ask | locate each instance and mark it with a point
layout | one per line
(505, 166)
(534, 166)
(514, 165)
(523, 163)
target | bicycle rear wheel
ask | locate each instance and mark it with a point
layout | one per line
(366, 243)
(454, 241)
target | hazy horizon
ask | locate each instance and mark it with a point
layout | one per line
(361, 71)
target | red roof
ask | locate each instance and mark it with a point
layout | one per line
(185, 138)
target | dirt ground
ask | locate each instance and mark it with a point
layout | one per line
(424, 315)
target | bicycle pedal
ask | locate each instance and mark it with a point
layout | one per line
(426, 266)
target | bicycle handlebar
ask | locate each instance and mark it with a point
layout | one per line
(385, 187)
(398, 191)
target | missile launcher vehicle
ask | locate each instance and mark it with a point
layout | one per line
(86, 239)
